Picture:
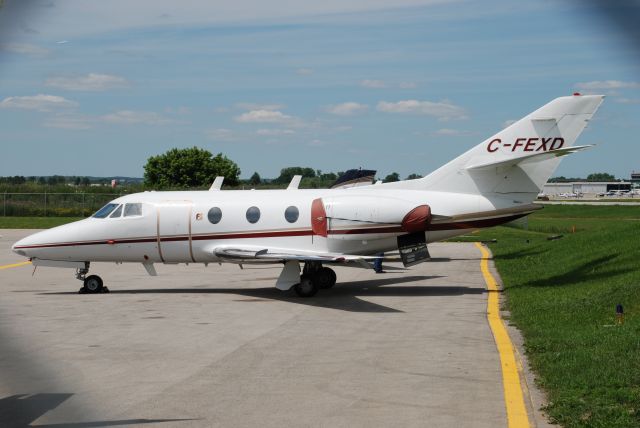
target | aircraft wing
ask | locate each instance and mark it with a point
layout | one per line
(254, 253)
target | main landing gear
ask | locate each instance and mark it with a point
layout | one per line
(91, 283)
(314, 277)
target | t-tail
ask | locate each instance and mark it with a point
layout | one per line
(517, 161)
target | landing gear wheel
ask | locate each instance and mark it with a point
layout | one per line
(93, 284)
(325, 278)
(332, 275)
(306, 288)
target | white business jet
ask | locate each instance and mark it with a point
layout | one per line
(493, 183)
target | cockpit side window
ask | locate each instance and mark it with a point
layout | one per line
(105, 211)
(117, 212)
(131, 210)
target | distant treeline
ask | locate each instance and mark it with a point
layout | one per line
(596, 176)
(311, 179)
(64, 184)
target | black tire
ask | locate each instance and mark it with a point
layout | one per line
(306, 288)
(325, 278)
(93, 284)
(333, 276)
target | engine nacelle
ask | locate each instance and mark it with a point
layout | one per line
(351, 217)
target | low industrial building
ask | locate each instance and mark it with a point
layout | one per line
(585, 188)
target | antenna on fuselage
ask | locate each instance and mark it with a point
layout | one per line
(217, 183)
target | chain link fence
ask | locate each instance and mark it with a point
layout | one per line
(53, 204)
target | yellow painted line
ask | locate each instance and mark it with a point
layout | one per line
(513, 396)
(15, 265)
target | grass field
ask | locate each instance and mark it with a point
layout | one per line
(562, 295)
(34, 222)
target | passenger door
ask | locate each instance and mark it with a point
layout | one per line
(174, 231)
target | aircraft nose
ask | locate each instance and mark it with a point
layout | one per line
(27, 245)
(16, 248)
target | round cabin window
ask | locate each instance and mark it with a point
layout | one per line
(291, 214)
(214, 215)
(253, 214)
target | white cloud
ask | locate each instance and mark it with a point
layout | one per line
(24, 49)
(40, 102)
(121, 117)
(275, 132)
(221, 134)
(448, 132)
(69, 122)
(317, 143)
(72, 17)
(348, 108)
(375, 84)
(606, 85)
(378, 84)
(130, 117)
(256, 106)
(90, 82)
(407, 85)
(264, 116)
(304, 71)
(443, 110)
(181, 110)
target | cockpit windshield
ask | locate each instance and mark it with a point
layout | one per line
(117, 213)
(105, 211)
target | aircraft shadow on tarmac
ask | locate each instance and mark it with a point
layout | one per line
(344, 296)
(21, 410)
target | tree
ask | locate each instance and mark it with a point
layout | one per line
(600, 176)
(329, 176)
(55, 179)
(413, 176)
(286, 174)
(394, 176)
(190, 167)
(255, 179)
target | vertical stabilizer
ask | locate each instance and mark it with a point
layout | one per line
(513, 160)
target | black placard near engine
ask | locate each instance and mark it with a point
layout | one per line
(413, 248)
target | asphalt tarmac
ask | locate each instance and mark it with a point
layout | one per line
(221, 346)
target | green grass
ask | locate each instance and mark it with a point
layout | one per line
(562, 296)
(34, 222)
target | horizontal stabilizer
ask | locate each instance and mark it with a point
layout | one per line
(483, 215)
(533, 157)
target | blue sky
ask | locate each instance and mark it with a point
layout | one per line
(95, 88)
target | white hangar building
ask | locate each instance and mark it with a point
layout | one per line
(585, 187)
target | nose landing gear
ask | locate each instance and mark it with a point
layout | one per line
(91, 283)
